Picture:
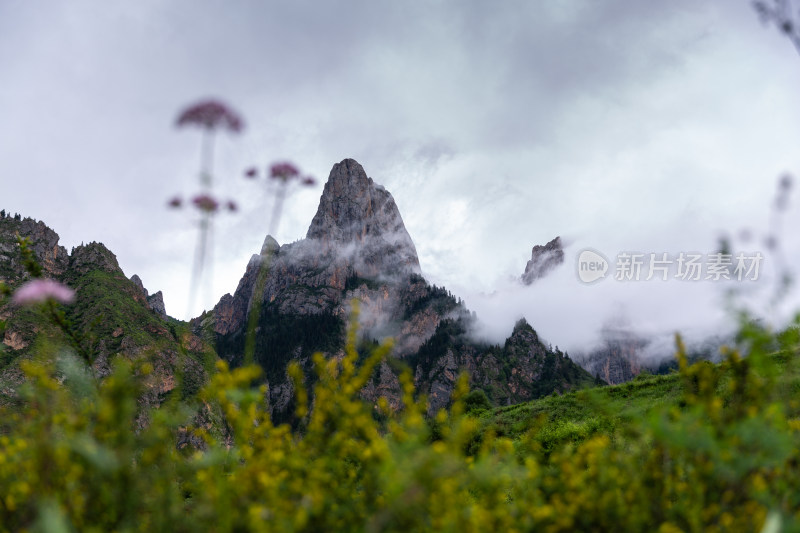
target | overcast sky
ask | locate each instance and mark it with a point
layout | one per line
(619, 125)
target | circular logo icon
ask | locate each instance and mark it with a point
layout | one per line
(592, 266)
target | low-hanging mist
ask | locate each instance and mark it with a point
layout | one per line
(577, 316)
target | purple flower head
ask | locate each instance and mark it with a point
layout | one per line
(231, 205)
(175, 202)
(284, 171)
(309, 181)
(205, 202)
(251, 173)
(211, 114)
(40, 290)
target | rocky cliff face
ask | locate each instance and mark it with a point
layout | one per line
(614, 363)
(357, 247)
(543, 260)
(623, 353)
(618, 358)
(521, 370)
(44, 243)
(358, 220)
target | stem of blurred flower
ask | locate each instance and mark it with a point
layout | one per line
(207, 159)
(208, 115)
(203, 253)
(263, 271)
(197, 266)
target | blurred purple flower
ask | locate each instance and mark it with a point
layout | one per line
(231, 205)
(205, 202)
(211, 114)
(40, 290)
(309, 181)
(284, 171)
(175, 202)
(251, 173)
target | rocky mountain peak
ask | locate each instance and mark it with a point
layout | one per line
(359, 217)
(523, 333)
(543, 260)
(347, 203)
(154, 301)
(356, 235)
(93, 256)
(521, 325)
(138, 282)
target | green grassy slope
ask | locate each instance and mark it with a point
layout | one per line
(109, 318)
(557, 420)
(576, 416)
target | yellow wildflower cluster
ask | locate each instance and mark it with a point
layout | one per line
(725, 459)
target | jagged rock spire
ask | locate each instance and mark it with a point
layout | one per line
(358, 213)
(543, 260)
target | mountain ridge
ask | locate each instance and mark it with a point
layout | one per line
(356, 248)
(111, 315)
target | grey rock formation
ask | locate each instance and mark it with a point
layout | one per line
(139, 285)
(522, 370)
(440, 380)
(53, 258)
(154, 301)
(623, 353)
(543, 260)
(618, 358)
(386, 384)
(359, 220)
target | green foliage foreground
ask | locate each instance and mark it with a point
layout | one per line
(724, 457)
